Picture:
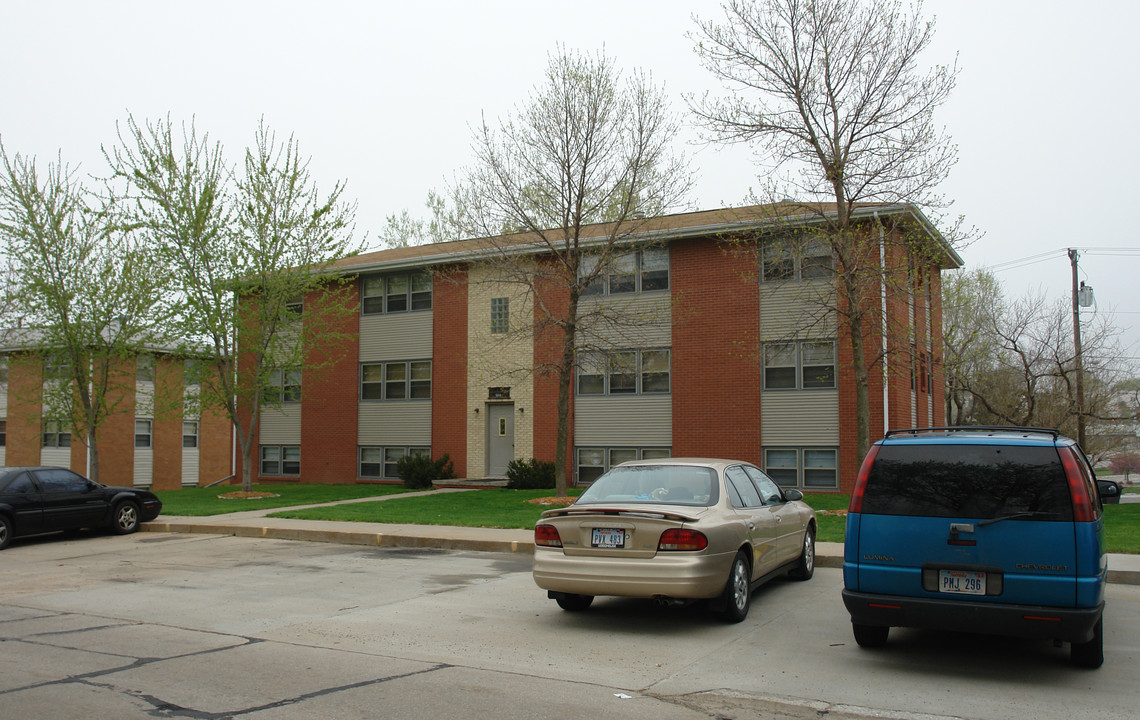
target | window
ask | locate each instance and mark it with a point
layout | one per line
(283, 386)
(594, 462)
(380, 462)
(500, 315)
(59, 480)
(3, 433)
(639, 271)
(809, 468)
(3, 369)
(55, 435)
(294, 308)
(396, 380)
(142, 433)
(190, 434)
(57, 369)
(806, 364)
(396, 293)
(280, 459)
(192, 372)
(625, 372)
(784, 259)
(144, 368)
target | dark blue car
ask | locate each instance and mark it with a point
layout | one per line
(988, 530)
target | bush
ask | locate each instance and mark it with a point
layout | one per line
(419, 471)
(530, 474)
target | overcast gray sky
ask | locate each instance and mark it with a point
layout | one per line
(383, 95)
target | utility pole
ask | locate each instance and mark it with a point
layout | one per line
(1073, 255)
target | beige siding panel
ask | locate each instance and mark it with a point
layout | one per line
(189, 467)
(626, 321)
(144, 467)
(2, 461)
(805, 417)
(3, 401)
(617, 421)
(399, 336)
(57, 457)
(797, 310)
(280, 426)
(394, 423)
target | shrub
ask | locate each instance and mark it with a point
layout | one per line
(530, 474)
(418, 471)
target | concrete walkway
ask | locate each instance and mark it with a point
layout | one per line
(254, 523)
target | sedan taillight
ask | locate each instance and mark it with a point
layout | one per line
(547, 536)
(678, 539)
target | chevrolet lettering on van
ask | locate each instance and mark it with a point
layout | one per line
(880, 558)
(1042, 566)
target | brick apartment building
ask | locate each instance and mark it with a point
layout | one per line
(140, 445)
(730, 358)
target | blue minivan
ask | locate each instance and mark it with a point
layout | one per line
(994, 530)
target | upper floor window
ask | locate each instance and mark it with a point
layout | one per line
(403, 380)
(190, 434)
(55, 435)
(3, 433)
(294, 308)
(143, 433)
(802, 365)
(638, 271)
(625, 372)
(144, 368)
(396, 293)
(795, 259)
(57, 369)
(500, 315)
(3, 369)
(283, 386)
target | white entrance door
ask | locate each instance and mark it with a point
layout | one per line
(500, 438)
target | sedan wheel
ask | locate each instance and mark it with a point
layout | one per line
(805, 568)
(5, 532)
(574, 603)
(738, 590)
(126, 518)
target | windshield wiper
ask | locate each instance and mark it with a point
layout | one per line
(1015, 516)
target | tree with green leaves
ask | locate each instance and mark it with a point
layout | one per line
(245, 250)
(834, 98)
(89, 296)
(588, 146)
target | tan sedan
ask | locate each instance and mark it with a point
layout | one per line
(675, 530)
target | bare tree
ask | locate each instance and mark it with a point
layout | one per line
(588, 146)
(832, 95)
(245, 250)
(90, 298)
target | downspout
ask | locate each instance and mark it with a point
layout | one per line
(883, 313)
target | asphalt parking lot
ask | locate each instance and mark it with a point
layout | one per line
(208, 626)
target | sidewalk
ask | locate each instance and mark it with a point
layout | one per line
(1122, 568)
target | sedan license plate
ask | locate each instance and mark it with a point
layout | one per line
(962, 582)
(608, 538)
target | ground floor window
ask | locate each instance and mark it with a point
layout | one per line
(55, 435)
(380, 461)
(592, 462)
(281, 460)
(804, 467)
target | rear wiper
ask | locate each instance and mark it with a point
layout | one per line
(1015, 516)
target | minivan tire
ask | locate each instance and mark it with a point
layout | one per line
(1090, 654)
(871, 636)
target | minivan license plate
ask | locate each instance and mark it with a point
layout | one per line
(962, 582)
(608, 538)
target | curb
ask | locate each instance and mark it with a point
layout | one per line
(440, 541)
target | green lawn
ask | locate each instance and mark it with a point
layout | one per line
(497, 508)
(1122, 528)
(205, 501)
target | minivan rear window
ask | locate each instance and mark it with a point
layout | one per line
(968, 481)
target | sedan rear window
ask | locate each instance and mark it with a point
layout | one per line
(968, 481)
(659, 484)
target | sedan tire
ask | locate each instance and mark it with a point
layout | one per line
(5, 531)
(125, 518)
(805, 568)
(574, 603)
(738, 590)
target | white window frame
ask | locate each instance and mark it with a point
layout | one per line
(611, 456)
(777, 355)
(607, 368)
(800, 470)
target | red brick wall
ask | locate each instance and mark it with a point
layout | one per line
(936, 329)
(25, 404)
(215, 447)
(116, 435)
(449, 367)
(329, 395)
(548, 344)
(716, 374)
(167, 441)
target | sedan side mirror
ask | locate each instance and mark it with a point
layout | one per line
(793, 495)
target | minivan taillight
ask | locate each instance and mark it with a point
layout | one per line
(547, 536)
(1078, 487)
(856, 505)
(678, 539)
